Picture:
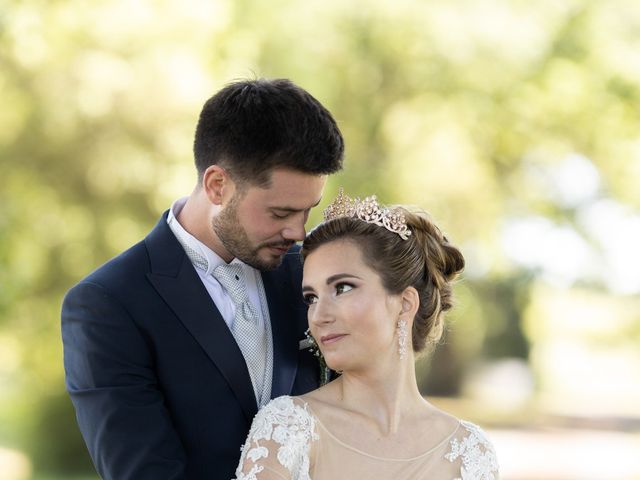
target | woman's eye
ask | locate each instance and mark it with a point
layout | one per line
(309, 299)
(343, 288)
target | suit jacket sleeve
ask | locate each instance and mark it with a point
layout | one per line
(110, 377)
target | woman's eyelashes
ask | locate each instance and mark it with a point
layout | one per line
(309, 299)
(339, 289)
(343, 287)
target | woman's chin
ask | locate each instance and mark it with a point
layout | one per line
(338, 364)
(334, 363)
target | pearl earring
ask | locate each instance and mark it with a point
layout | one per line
(402, 338)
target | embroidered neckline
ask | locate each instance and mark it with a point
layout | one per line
(375, 457)
(290, 427)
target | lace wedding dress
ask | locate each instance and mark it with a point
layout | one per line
(283, 432)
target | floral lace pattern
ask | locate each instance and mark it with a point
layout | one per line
(291, 427)
(280, 439)
(478, 458)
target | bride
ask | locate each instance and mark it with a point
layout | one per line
(377, 282)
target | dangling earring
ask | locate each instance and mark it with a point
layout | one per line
(402, 338)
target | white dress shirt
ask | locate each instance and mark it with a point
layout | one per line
(225, 305)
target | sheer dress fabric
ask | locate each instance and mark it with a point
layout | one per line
(284, 431)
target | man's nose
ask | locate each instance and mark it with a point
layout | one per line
(294, 230)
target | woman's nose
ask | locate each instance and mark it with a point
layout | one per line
(321, 312)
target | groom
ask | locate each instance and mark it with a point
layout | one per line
(171, 347)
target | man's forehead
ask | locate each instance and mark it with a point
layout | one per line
(290, 190)
(294, 203)
(290, 208)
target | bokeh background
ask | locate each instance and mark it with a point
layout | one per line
(514, 122)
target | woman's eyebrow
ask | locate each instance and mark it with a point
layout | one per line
(330, 280)
(340, 276)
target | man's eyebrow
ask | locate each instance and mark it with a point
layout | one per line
(331, 279)
(291, 209)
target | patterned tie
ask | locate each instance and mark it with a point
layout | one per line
(246, 329)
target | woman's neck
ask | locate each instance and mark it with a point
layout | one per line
(384, 395)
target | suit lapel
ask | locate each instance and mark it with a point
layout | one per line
(284, 330)
(176, 281)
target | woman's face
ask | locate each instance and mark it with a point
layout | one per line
(351, 315)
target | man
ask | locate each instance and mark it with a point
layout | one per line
(171, 347)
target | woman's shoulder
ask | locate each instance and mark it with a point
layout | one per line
(291, 413)
(466, 447)
(467, 436)
(279, 440)
(285, 404)
(470, 446)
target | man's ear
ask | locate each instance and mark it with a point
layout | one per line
(217, 184)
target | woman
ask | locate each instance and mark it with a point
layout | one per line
(377, 282)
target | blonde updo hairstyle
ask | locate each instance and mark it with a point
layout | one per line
(425, 261)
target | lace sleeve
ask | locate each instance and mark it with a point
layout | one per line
(278, 443)
(476, 454)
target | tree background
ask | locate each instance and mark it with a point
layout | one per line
(515, 124)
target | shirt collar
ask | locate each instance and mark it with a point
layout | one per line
(207, 260)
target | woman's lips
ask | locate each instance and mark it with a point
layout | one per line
(327, 339)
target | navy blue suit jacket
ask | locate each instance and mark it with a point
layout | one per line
(160, 387)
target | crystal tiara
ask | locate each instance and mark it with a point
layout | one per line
(368, 210)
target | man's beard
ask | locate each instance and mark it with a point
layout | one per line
(234, 238)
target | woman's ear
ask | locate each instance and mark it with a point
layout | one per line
(410, 301)
(217, 184)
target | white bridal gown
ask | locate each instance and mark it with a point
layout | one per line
(283, 432)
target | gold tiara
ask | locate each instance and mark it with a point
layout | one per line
(368, 210)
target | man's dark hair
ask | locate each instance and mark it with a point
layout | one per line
(251, 127)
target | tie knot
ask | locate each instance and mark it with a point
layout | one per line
(231, 277)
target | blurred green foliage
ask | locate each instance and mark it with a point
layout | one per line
(461, 107)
